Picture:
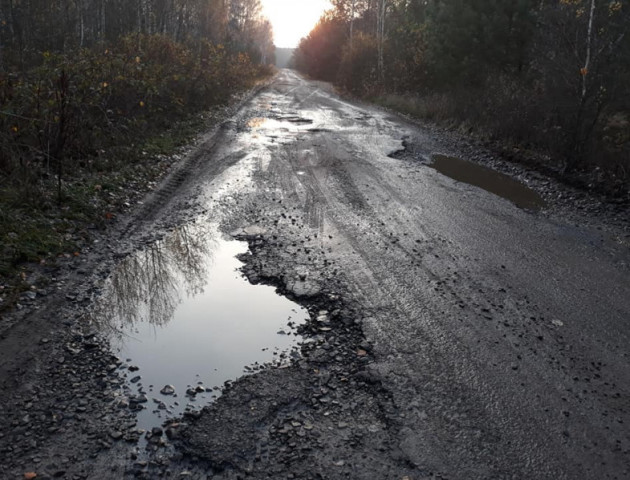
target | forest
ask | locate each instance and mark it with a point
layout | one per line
(92, 90)
(544, 79)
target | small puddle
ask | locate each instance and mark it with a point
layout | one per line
(185, 321)
(276, 129)
(297, 120)
(278, 122)
(489, 180)
(256, 122)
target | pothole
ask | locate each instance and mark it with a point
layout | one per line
(401, 153)
(297, 120)
(490, 180)
(185, 321)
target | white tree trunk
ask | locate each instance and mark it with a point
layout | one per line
(380, 35)
(589, 46)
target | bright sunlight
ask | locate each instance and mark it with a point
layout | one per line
(293, 19)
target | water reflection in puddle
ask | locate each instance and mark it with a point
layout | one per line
(488, 179)
(181, 313)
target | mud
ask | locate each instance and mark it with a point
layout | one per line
(450, 333)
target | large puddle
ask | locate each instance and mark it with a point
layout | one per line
(184, 321)
(490, 180)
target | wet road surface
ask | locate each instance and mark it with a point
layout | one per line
(456, 328)
(501, 335)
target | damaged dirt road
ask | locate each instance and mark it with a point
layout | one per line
(450, 333)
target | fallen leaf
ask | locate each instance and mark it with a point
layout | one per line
(30, 475)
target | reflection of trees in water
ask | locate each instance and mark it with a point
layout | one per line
(148, 286)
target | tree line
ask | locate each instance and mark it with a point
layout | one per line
(28, 27)
(550, 75)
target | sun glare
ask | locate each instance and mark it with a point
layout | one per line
(293, 19)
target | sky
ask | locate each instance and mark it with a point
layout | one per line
(293, 19)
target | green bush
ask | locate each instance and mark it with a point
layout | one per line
(74, 105)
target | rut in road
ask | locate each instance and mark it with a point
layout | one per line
(463, 293)
(451, 334)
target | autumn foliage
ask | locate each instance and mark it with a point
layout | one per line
(549, 78)
(78, 127)
(72, 106)
(95, 99)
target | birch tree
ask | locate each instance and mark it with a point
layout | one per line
(582, 41)
(381, 14)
